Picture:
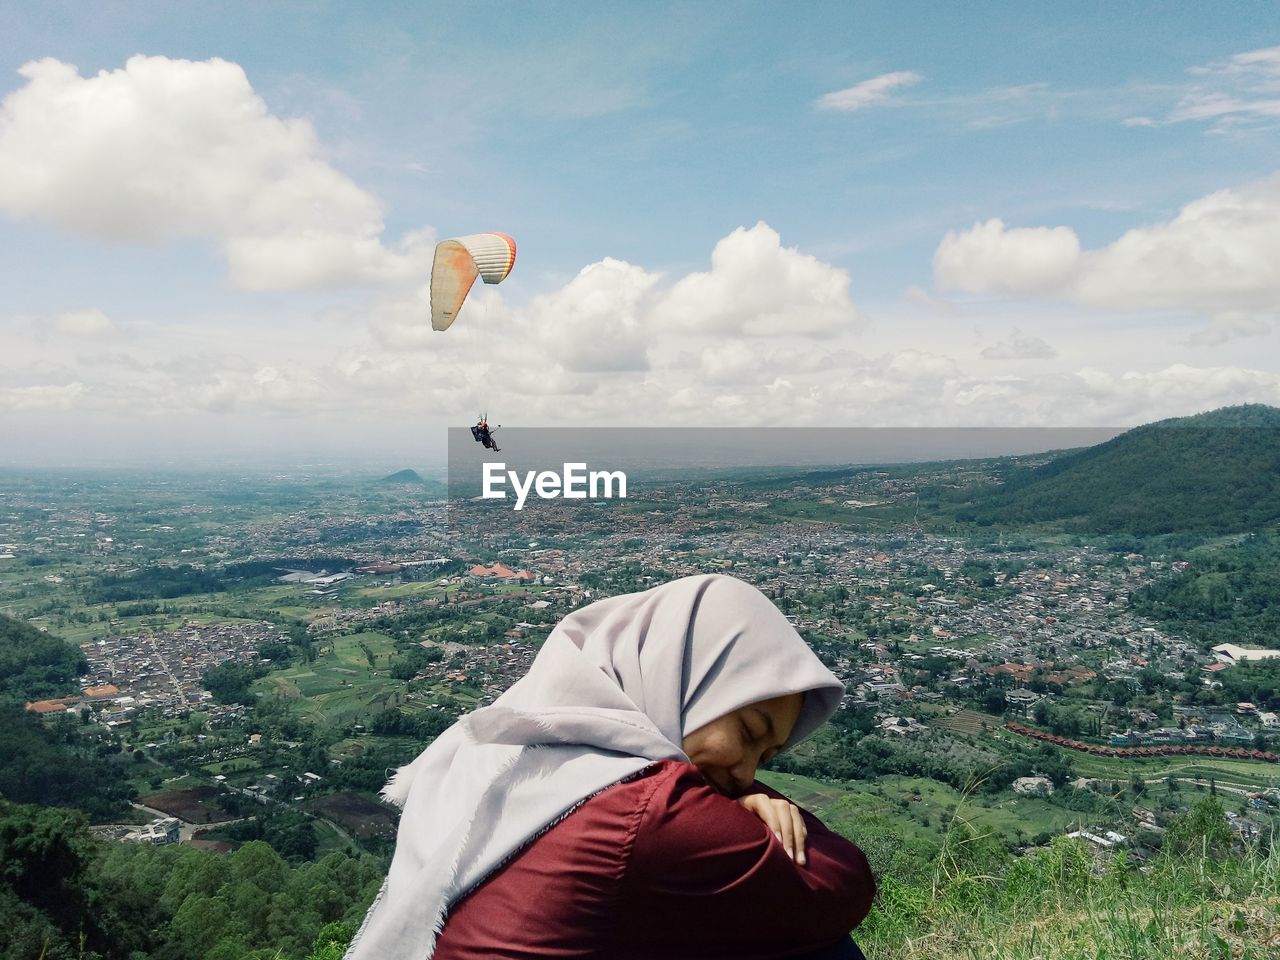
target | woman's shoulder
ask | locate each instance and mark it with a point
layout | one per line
(638, 789)
(677, 794)
(706, 863)
(668, 806)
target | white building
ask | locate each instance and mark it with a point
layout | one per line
(1232, 654)
(164, 830)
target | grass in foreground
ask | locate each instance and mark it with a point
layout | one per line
(1062, 903)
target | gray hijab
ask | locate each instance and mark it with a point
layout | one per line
(614, 689)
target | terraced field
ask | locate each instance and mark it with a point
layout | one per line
(1245, 773)
(969, 721)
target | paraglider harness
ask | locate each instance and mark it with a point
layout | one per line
(482, 434)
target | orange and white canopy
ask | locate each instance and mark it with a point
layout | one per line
(458, 262)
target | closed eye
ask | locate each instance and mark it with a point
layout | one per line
(765, 723)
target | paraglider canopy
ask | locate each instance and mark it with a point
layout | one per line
(457, 264)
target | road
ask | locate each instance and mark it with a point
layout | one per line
(177, 687)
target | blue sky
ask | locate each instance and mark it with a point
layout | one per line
(840, 144)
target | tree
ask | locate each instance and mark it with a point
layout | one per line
(43, 857)
(1203, 831)
(202, 922)
(331, 943)
(229, 682)
(194, 873)
(994, 701)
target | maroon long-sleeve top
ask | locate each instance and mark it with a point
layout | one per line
(662, 866)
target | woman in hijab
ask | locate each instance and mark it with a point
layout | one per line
(606, 806)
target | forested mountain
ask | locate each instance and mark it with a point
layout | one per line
(1213, 473)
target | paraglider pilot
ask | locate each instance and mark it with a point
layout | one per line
(482, 434)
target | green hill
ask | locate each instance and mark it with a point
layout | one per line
(1212, 473)
(35, 665)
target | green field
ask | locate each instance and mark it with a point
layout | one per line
(1004, 812)
(868, 518)
(955, 641)
(926, 807)
(813, 795)
(340, 685)
(234, 765)
(329, 840)
(423, 588)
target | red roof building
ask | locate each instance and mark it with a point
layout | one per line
(43, 707)
(500, 571)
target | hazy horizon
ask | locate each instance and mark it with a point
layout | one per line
(635, 448)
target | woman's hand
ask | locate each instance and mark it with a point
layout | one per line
(783, 818)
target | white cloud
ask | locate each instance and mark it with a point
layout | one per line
(1220, 253)
(1019, 346)
(756, 287)
(992, 258)
(163, 149)
(87, 322)
(616, 345)
(615, 317)
(876, 90)
(596, 323)
(1241, 91)
(351, 392)
(1176, 390)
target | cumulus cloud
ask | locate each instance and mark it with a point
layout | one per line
(613, 316)
(596, 323)
(163, 149)
(876, 90)
(1220, 254)
(992, 258)
(1019, 346)
(757, 287)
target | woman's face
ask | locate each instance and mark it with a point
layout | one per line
(728, 750)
